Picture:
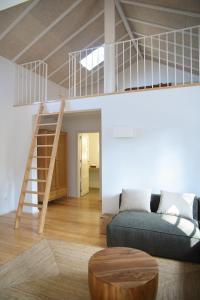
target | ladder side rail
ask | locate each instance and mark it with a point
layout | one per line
(51, 168)
(27, 169)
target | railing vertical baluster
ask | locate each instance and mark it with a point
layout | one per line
(123, 67)
(167, 50)
(75, 76)
(191, 78)
(98, 73)
(80, 73)
(144, 62)
(152, 61)
(117, 66)
(46, 73)
(175, 58)
(18, 84)
(159, 73)
(26, 84)
(22, 85)
(35, 81)
(69, 82)
(183, 55)
(137, 66)
(30, 81)
(43, 82)
(86, 74)
(199, 49)
(130, 65)
(39, 81)
(91, 88)
(72, 75)
(43, 99)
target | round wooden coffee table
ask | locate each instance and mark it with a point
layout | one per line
(120, 273)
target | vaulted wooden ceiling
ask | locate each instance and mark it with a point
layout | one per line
(50, 29)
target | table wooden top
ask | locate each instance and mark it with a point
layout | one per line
(125, 267)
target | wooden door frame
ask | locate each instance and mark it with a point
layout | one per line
(78, 160)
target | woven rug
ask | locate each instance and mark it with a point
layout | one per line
(58, 270)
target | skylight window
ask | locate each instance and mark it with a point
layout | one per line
(93, 59)
(5, 4)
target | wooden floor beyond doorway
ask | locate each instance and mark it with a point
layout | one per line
(75, 220)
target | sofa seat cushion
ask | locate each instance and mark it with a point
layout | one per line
(158, 234)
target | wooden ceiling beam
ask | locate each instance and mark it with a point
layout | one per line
(164, 27)
(151, 24)
(47, 29)
(127, 27)
(92, 20)
(162, 8)
(18, 19)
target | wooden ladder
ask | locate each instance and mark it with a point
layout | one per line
(29, 165)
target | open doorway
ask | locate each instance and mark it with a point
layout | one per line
(88, 163)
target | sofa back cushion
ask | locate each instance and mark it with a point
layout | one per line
(137, 200)
(176, 204)
(155, 200)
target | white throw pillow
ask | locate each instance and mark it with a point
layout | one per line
(176, 204)
(138, 200)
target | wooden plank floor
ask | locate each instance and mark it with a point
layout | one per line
(75, 220)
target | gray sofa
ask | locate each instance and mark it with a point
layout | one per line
(158, 234)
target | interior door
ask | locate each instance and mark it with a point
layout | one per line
(84, 164)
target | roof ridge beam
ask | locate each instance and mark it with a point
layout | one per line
(46, 30)
(127, 27)
(18, 19)
(156, 25)
(162, 8)
(73, 35)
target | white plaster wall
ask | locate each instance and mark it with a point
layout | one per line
(165, 155)
(54, 90)
(7, 178)
(78, 123)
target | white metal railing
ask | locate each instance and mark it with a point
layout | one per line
(31, 83)
(164, 59)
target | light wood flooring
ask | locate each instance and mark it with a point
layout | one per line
(75, 220)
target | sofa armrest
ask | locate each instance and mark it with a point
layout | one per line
(196, 210)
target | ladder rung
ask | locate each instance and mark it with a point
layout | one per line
(43, 146)
(40, 169)
(50, 114)
(32, 204)
(42, 157)
(46, 124)
(33, 192)
(45, 134)
(37, 180)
